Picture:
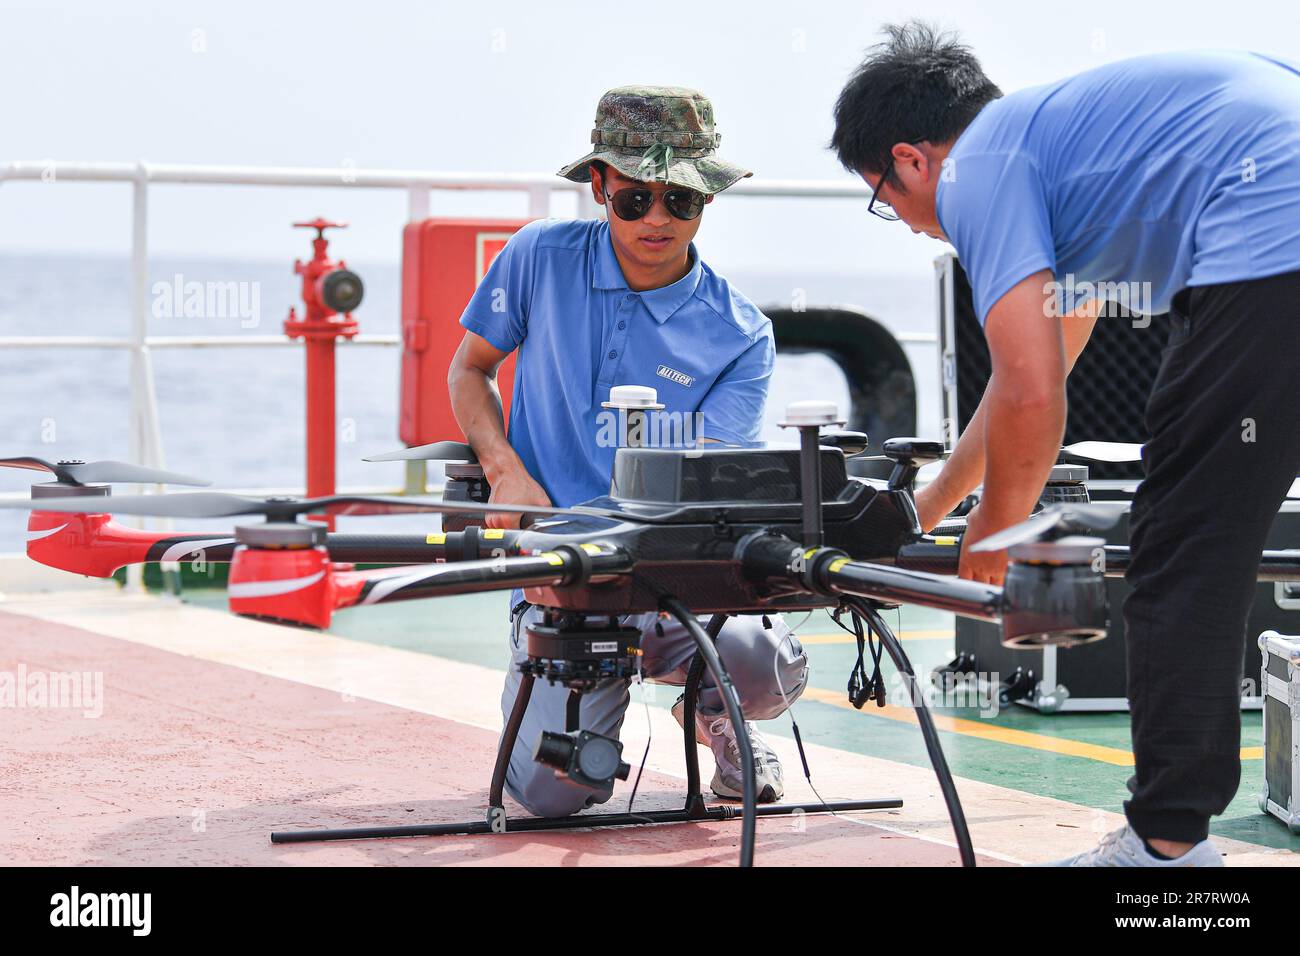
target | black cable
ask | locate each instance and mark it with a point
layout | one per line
(877, 678)
(731, 700)
(862, 688)
(926, 721)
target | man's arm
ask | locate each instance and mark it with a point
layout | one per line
(1024, 417)
(476, 403)
(964, 470)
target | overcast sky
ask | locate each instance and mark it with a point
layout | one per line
(508, 86)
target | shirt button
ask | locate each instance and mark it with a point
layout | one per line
(629, 298)
(622, 325)
(613, 354)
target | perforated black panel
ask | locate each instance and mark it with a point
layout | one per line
(1107, 390)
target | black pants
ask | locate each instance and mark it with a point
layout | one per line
(1224, 417)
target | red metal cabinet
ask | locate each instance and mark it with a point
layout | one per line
(443, 261)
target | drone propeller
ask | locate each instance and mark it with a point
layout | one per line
(851, 443)
(1105, 451)
(437, 451)
(1067, 518)
(92, 472)
(215, 504)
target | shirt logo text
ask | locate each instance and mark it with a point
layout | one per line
(681, 378)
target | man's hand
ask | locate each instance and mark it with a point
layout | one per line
(989, 567)
(515, 487)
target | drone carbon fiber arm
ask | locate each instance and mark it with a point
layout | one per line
(96, 545)
(1058, 599)
(902, 586)
(302, 586)
(565, 565)
(775, 558)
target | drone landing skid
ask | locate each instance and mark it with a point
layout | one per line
(695, 810)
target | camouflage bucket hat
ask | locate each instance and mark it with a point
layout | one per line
(658, 134)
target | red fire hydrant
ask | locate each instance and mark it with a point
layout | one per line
(328, 290)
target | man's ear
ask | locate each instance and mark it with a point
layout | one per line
(708, 199)
(597, 185)
(911, 164)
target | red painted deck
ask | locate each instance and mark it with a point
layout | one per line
(194, 762)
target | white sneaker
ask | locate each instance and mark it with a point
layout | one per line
(1126, 848)
(728, 781)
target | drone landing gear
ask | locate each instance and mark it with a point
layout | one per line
(695, 809)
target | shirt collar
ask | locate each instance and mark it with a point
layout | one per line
(661, 303)
(607, 273)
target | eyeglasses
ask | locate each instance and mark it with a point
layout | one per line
(877, 206)
(633, 203)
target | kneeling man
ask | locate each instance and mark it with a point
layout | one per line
(589, 305)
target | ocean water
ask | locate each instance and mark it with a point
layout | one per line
(235, 415)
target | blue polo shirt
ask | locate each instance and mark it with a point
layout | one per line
(556, 294)
(1135, 179)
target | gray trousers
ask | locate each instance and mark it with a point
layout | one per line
(756, 658)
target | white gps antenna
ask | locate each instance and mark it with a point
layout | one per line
(632, 402)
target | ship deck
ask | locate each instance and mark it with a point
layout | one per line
(216, 730)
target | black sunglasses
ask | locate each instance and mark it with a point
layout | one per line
(877, 206)
(633, 203)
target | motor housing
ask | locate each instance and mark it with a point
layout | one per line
(1055, 593)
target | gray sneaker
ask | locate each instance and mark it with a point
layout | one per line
(1126, 848)
(727, 780)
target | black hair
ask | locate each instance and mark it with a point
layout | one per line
(602, 167)
(918, 84)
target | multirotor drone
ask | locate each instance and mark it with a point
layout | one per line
(710, 530)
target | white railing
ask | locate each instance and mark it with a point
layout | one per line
(145, 434)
